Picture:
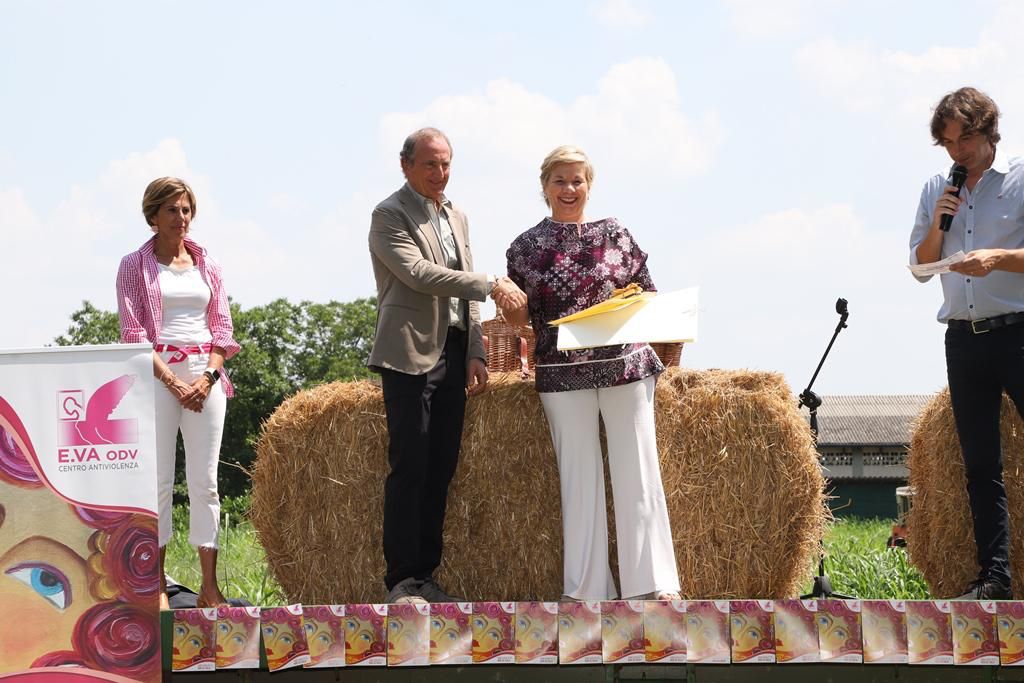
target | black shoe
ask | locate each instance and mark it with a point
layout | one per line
(987, 589)
(433, 593)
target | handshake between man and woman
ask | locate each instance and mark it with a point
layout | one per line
(428, 349)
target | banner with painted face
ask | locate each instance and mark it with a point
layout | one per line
(79, 559)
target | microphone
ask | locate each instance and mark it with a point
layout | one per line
(957, 178)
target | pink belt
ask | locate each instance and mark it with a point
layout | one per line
(180, 354)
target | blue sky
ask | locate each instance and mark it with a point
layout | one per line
(770, 153)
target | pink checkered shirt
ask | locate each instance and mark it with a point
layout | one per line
(140, 304)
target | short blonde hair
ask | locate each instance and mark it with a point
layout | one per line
(565, 154)
(162, 190)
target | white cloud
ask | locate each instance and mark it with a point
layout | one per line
(282, 201)
(634, 125)
(101, 208)
(505, 118)
(775, 20)
(71, 251)
(621, 14)
(768, 294)
(16, 216)
(6, 162)
(635, 113)
(826, 246)
(866, 77)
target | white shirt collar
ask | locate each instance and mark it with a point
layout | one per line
(1000, 163)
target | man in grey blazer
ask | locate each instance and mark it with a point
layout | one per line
(429, 351)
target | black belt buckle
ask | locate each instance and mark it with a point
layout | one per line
(974, 326)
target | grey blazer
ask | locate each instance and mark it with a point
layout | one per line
(413, 285)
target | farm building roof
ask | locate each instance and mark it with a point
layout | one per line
(868, 420)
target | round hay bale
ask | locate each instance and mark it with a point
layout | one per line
(740, 472)
(744, 487)
(940, 534)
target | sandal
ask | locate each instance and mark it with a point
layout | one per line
(658, 595)
(203, 603)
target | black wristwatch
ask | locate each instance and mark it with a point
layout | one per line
(211, 374)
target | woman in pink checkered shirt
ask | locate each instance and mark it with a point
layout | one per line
(170, 293)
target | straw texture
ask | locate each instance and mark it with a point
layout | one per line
(740, 472)
(940, 535)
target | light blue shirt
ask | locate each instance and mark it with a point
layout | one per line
(990, 217)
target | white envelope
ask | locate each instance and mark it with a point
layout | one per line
(667, 317)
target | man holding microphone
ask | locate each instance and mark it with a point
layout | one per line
(983, 308)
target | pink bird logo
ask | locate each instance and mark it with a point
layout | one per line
(97, 428)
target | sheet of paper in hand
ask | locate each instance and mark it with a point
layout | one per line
(650, 317)
(937, 267)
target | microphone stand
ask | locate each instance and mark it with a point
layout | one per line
(822, 584)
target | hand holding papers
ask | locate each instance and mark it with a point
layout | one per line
(631, 317)
(620, 298)
(938, 267)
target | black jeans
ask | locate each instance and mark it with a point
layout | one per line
(425, 415)
(980, 368)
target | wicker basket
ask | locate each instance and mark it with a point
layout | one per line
(509, 348)
(668, 352)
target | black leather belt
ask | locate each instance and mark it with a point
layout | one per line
(987, 324)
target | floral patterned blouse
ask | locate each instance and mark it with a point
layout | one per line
(564, 270)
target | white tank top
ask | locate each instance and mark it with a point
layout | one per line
(185, 299)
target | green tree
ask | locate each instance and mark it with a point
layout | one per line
(263, 377)
(335, 340)
(90, 325)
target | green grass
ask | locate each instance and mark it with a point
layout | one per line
(857, 561)
(241, 567)
(859, 564)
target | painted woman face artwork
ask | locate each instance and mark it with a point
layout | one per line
(492, 626)
(238, 637)
(929, 632)
(284, 637)
(1010, 629)
(536, 632)
(325, 634)
(365, 638)
(665, 630)
(884, 624)
(622, 630)
(750, 627)
(78, 584)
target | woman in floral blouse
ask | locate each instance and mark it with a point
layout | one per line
(564, 264)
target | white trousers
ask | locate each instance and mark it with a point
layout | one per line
(647, 560)
(201, 434)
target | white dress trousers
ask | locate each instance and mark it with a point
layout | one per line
(647, 560)
(201, 433)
